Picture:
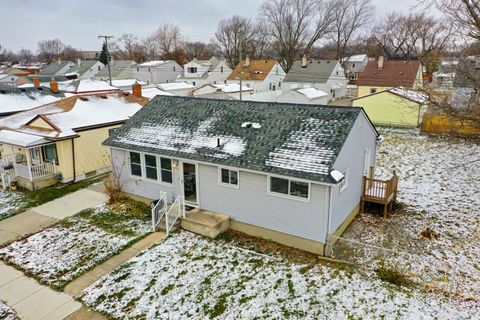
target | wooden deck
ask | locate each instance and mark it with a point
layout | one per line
(379, 191)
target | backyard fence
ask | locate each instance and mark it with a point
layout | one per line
(428, 271)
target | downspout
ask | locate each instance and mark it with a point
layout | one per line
(327, 229)
(73, 162)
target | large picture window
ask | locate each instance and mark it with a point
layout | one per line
(135, 164)
(166, 170)
(288, 187)
(151, 171)
(229, 177)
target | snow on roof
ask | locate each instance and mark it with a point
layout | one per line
(154, 63)
(312, 93)
(169, 86)
(83, 111)
(150, 93)
(20, 139)
(126, 82)
(87, 86)
(356, 58)
(231, 87)
(14, 102)
(417, 96)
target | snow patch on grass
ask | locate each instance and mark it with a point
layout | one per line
(59, 254)
(7, 313)
(11, 202)
(191, 277)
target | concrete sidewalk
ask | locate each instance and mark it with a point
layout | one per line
(32, 300)
(38, 218)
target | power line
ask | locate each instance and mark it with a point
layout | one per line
(108, 55)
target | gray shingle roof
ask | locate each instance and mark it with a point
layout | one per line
(117, 67)
(294, 140)
(53, 68)
(316, 71)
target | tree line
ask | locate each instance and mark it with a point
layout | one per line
(288, 29)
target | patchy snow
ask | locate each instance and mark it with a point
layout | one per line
(172, 86)
(414, 95)
(304, 150)
(439, 184)
(7, 313)
(154, 63)
(151, 93)
(169, 135)
(10, 203)
(62, 252)
(191, 277)
(20, 139)
(312, 93)
(231, 87)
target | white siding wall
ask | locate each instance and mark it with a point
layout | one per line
(351, 157)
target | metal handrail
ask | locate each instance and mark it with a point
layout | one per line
(177, 210)
(159, 210)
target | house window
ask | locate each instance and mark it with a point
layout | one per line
(221, 69)
(353, 65)
(270, 86)
(279, 84)
(151, 167)
(192, 70)
(229, 177)
(333, 93)
(288, 187)
(148, 69)
(166, 170)
(194, 83)
(138, 69)
(50, 153)
(373, 90)
(174, 69)
(344, 183)
(135, 164)
(99, 68)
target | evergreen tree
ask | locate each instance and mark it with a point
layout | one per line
(103, 58)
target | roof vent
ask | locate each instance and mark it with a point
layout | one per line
(103, 96)
(337, 175)
(254, 125)
(84, 98)
(219, 144)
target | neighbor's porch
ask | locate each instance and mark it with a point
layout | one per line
(379, 191)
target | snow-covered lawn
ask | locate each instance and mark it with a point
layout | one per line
(7, 313)
(11, 202)
(59, 254)
(191, 277)
(439, 187)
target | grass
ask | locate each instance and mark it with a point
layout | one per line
(393, 275)
(26, 199)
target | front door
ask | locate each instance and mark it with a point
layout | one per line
(190, 192)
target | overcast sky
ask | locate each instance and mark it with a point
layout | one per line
(79, 22)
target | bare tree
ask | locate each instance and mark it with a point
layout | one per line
(25, 56)
(128, 47)
(50, 50)
(169, 38)
(350, 18)
(260, 46)
(199, 50)
(230, 34)
(5, 54)
(71, 54)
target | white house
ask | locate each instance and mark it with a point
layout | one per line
(201, 72)
(354, 65)
(260, 75)
(309, 95)
(84, 69)
(158, 71)
(177, 88)
(287, 172)
(7, 79)
(326, 75)
(228, 91)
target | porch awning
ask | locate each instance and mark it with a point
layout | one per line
(20, 139)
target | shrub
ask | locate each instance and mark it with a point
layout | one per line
(393, 275)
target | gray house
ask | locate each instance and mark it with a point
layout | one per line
(287, 172)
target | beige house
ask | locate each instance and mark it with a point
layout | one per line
(62, 141)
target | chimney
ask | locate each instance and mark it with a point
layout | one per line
(79, 62)
(53, 86)
(137, 89)
(247, 61)
(304, 61)
(36, 82)
(380, 63)
(59, 60)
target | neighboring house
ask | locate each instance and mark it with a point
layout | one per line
(84, 69)
(354, 65)
(394, 107)
(126, 84)
(58, 68)
(202, 72)
(62, 140)
(228, 91)
(6, 79)
(87, 86)
(177, 88)
(260, 75)
(309, 95)
(384, 74)
(289, 173)
(120, 69)
(157, 71)
(13, 100)
(326, 75)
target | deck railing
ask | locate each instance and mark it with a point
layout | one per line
(34, 172)
(159, 210)
(380, 191)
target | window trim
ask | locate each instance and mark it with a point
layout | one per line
(288, 196)
(160, 180)
(344, 183)
(144, 168)
(220, 182)
(130, 165)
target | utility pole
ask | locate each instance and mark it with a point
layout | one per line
(108, 56)
(241, 63)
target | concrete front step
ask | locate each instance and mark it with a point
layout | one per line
(161, 226)
(206, 223)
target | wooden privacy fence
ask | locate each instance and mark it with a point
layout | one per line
(379, 191)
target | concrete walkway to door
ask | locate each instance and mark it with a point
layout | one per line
(45, 215)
